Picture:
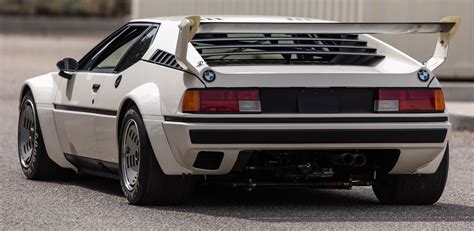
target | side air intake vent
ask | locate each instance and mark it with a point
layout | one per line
(310, 49)
(166, 59)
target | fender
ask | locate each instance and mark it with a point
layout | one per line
(43, 89)
(147, 98)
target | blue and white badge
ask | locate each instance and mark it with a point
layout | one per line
(209, 75)
(423, 75)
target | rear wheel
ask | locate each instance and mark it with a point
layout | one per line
(419, 189)
(141, 177)
(34, 159)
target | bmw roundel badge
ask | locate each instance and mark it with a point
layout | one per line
(423, 75)
(209, 75)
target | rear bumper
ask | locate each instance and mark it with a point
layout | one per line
(420, 143)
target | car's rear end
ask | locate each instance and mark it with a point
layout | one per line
(321, 108)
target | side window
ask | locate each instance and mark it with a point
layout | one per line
(107, 59)
(87, 60)
(137, 51)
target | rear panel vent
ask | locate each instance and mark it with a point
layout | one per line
(310, 49)
(166, 59)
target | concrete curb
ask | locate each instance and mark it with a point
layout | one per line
(460, 104)
(462, 122)
(458, 91)
(461, 115)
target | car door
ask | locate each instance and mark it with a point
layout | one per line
(73, 114)
(112, 92)
(75, 103)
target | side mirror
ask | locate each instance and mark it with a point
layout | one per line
(67, 67)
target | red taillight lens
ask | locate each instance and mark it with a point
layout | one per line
(221, 100)
(409, 100)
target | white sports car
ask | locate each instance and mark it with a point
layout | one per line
(165, 103)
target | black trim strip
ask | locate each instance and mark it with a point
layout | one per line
(297, 52)
(308, 120)
(198, 47)
(85, 109)
(299, 136)
(94, 166)
(235, 39)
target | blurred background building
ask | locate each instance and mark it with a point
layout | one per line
(98, 8)
(35, 34)
(95, 16)
(459, 66)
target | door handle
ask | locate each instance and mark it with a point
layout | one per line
(95, 87)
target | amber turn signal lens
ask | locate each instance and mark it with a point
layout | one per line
(191, 101)
(439, 100)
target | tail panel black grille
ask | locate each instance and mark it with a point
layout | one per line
(317, 100)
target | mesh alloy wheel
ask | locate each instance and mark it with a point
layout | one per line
(27, 135)
(131, 154)
(34, 160)
(142, 180)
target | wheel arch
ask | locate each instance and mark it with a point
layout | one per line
(121, 113)
(43, 89)
(24, 89)
(147, 99)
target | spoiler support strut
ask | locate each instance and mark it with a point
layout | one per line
(187, 29)
(442, 45)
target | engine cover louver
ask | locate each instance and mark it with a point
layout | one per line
(333, 49)
(164, 58)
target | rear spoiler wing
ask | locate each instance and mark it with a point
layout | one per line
(189, 26)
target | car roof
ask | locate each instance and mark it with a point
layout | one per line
(234, 19)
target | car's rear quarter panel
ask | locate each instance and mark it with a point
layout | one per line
(155, 90)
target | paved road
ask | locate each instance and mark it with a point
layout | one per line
(88, 202)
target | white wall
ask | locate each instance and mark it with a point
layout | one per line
(460, 64)
(343, 10)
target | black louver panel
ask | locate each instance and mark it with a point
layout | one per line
(166, 59)
(335, 49)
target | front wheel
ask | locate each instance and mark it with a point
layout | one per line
(141, 177)
(417, 189)
(34, 160)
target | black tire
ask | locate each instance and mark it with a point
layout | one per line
(413, 189)
(152, 186)
(39, 166)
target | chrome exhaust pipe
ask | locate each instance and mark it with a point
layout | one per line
(343, 159)
(359, 160)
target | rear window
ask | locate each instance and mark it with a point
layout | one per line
(241, 49)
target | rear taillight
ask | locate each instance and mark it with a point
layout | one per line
(409, 100)
(221, 101)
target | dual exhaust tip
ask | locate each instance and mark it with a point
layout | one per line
(349, 159)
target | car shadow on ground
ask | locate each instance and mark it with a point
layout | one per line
(310, 205)
(98, 184)
(296, 204)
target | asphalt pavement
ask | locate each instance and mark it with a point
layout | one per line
(95, 203)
